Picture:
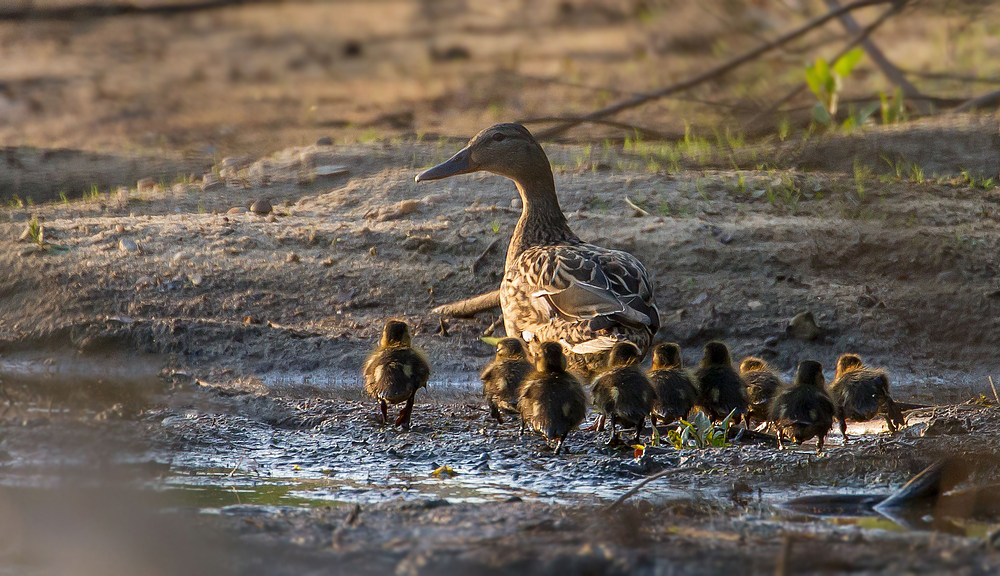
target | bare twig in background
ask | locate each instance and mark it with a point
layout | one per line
(894, 74)
(994, 389)
(956, 77)
(482, 257)
(860, 37)
(986, 100)
(647, 133)
(29, 11)
(639, 486)
(709, 74)
(470, 306)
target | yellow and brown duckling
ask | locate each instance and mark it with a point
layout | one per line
(804, 410)
(395, 371)
(676, 393)
(555, 286)
(720, 388)
(861, 393)
(622, 393)
(503, 377)
(552, 401)
(762, 384)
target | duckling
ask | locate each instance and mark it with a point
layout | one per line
(676, 393)
(804, 409)
(622, 392)
(503, 376)
(552, 401)
(720, 388)
(555, 286)
(395, 371)
(860, 393)
(762, 385)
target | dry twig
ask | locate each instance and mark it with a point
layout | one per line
(470, 306)
(639, 486)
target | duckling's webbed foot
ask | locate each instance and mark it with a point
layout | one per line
(385, 412)
(638, 429)
(819, 445)
(495, 413)
(843, 429)
(404, 415)
(559, 444)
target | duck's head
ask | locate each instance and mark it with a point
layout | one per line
(395, 333)
(666, 355)
(623, 354)
(505, 149)
(810, 373)
(716, 353)
(510, 349)
(551, 358)
(848, 362)
(752, 363)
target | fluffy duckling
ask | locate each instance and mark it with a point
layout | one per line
(720, 388)
(622, 392)
(503, 376)
(804, 409)
(395, 371)
(552, 401)
(676, 393)
(762, 385)
(860, 393)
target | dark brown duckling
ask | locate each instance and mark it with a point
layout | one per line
(861, 393)
(503, 376)
(676, 393)
(552, 401)
(622, 392)
(804, 410)
(720, 388)
(395, 371)
(762, 385)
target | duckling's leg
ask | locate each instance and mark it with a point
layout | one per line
(559, 445)
(843, 428)
(612, 439)
(781, 439)
(407, 411)
(638, 428)
(385, 412)
(889, 423)
(819, 444)
(495, 413)
(521, 431)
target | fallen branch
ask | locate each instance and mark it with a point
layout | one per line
(955, 77)
(858, 38)
(710, 74)
(988, 99)
(470, 306)
(101, 10)
(894, 74)
(639, 486)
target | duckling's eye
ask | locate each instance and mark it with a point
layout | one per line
(498, 137)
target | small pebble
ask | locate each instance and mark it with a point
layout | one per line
(236, 210)
(119, 228)
(210, 182)
(261, 207)
(270, 218)
(145, 185)
(181, 256)
(195, 279)
(327, 263)
(292, 258)
(325, 141)
(515, 203)
(128, 245)
(803, 326)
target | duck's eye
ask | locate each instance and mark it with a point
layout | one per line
(498, 137)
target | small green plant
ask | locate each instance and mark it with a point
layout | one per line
(861, 174)
(36, 233)
(916, 174)
(16, 202)
(826, 82)
(701, 433)
(894, 109)
(784, 128)
(495, 225)
(95, 192)
(63, 197)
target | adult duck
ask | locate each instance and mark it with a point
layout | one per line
(555, 286)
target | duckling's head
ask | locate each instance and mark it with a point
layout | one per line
(666, 355)
(551, 358)
(395, 333)
(510, 349)
(848, 362)
(505, 149)
(716, 353)
(810, 373)
(623, 354)
(752, 363)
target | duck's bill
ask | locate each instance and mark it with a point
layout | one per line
(460, 163)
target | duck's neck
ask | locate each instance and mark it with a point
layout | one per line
(542, 221)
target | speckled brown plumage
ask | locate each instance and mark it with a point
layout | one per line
(557, 287)
(675, 388)
(720, 388)
(552, 401)
(623, 393)
(861, 393)
(804, 410)
(502, 378)
(762, 384)
(395, 371)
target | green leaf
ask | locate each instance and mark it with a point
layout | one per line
(491, 340)
(866, 112)
(820, 114)
(817, 77)
(846, 63)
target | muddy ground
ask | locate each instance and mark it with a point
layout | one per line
(180, 376)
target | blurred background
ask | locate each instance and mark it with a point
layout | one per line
(224, 77)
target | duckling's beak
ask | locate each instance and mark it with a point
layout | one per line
(460, 163)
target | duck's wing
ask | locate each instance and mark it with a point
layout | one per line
(585, 282)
